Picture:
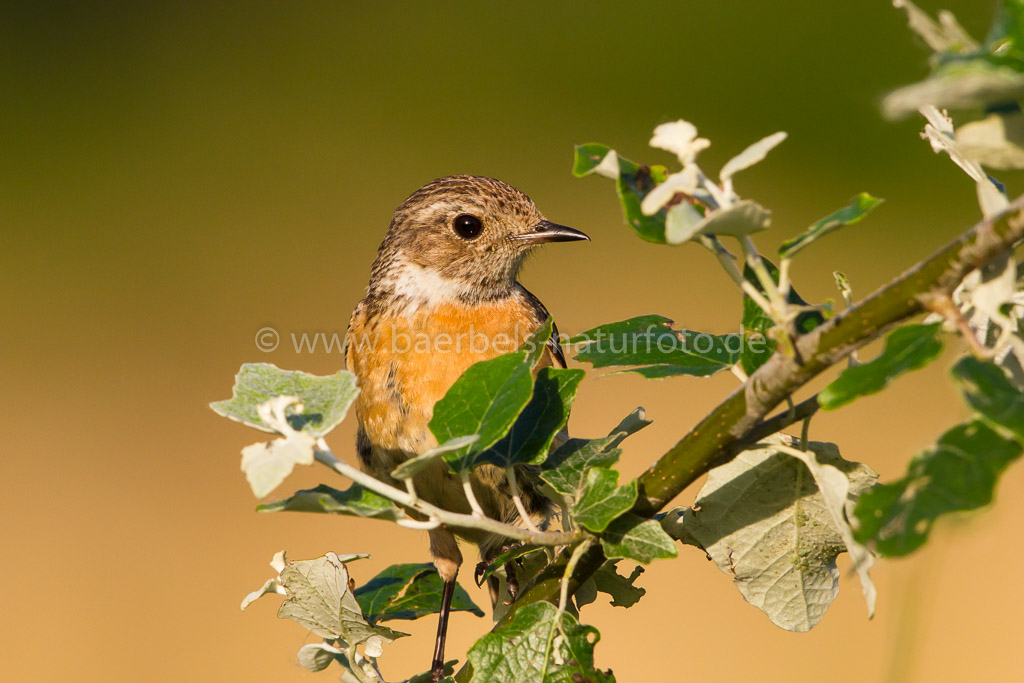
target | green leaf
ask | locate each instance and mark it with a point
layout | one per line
(566, 468)
(958, 473)
(325, 400)
(622, 589)
(586, 593)
(1007, 31)
(320, 600)
(859, 206)
(674, 225)
(588, 157)
(537, 342)
(529, 440)
(408, 591)
(990, 393)
(757, 347)
(355, 500)
(649, 346)
(632, 185)
(764, 522)
(602, 499)
(630, 425)
(425, 677)
(634, 538)
(906, 348)
(844, 287)
(517, 551)
(537, 646)
(485, 400)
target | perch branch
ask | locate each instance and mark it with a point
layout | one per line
(435, 514)
(723, 433)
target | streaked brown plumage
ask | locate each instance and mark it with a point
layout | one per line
(446, 272)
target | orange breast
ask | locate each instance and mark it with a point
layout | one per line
(404, 364)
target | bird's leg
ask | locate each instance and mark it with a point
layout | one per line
(437, 665)
(511, 580)
(447, 559)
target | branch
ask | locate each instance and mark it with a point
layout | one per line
(435, 514)
(739, 420)
(713, 439)
(799, 412)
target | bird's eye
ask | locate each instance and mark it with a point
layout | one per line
(467, 226)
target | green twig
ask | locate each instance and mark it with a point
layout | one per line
(727, 263)
(778, 310)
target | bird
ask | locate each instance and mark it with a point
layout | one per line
(447, 269)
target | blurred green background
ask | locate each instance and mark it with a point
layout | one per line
(176, 176)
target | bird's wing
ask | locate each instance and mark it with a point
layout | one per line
(355, 326)
(554, 348)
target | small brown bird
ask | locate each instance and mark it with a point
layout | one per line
(443, 295)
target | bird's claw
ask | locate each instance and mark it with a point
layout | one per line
(478, 575)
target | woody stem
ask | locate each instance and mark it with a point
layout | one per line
(729, 428)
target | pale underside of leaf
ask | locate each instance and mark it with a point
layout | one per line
(320, 599)
(268, 464)
(753, 154)
(763, 522)
(996, 141)
(742, 218)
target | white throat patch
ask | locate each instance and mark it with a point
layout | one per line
(424, 286)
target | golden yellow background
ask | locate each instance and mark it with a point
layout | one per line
(176, 176)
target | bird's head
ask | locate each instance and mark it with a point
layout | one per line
(462, 236)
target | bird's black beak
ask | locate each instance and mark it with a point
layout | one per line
(546, 231)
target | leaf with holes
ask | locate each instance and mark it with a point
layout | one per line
(319, 598)
(537, 646)
(632, 183)
(990, 393)
(325, 400)
(763, 521)
(622, 589)
(959, 473)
